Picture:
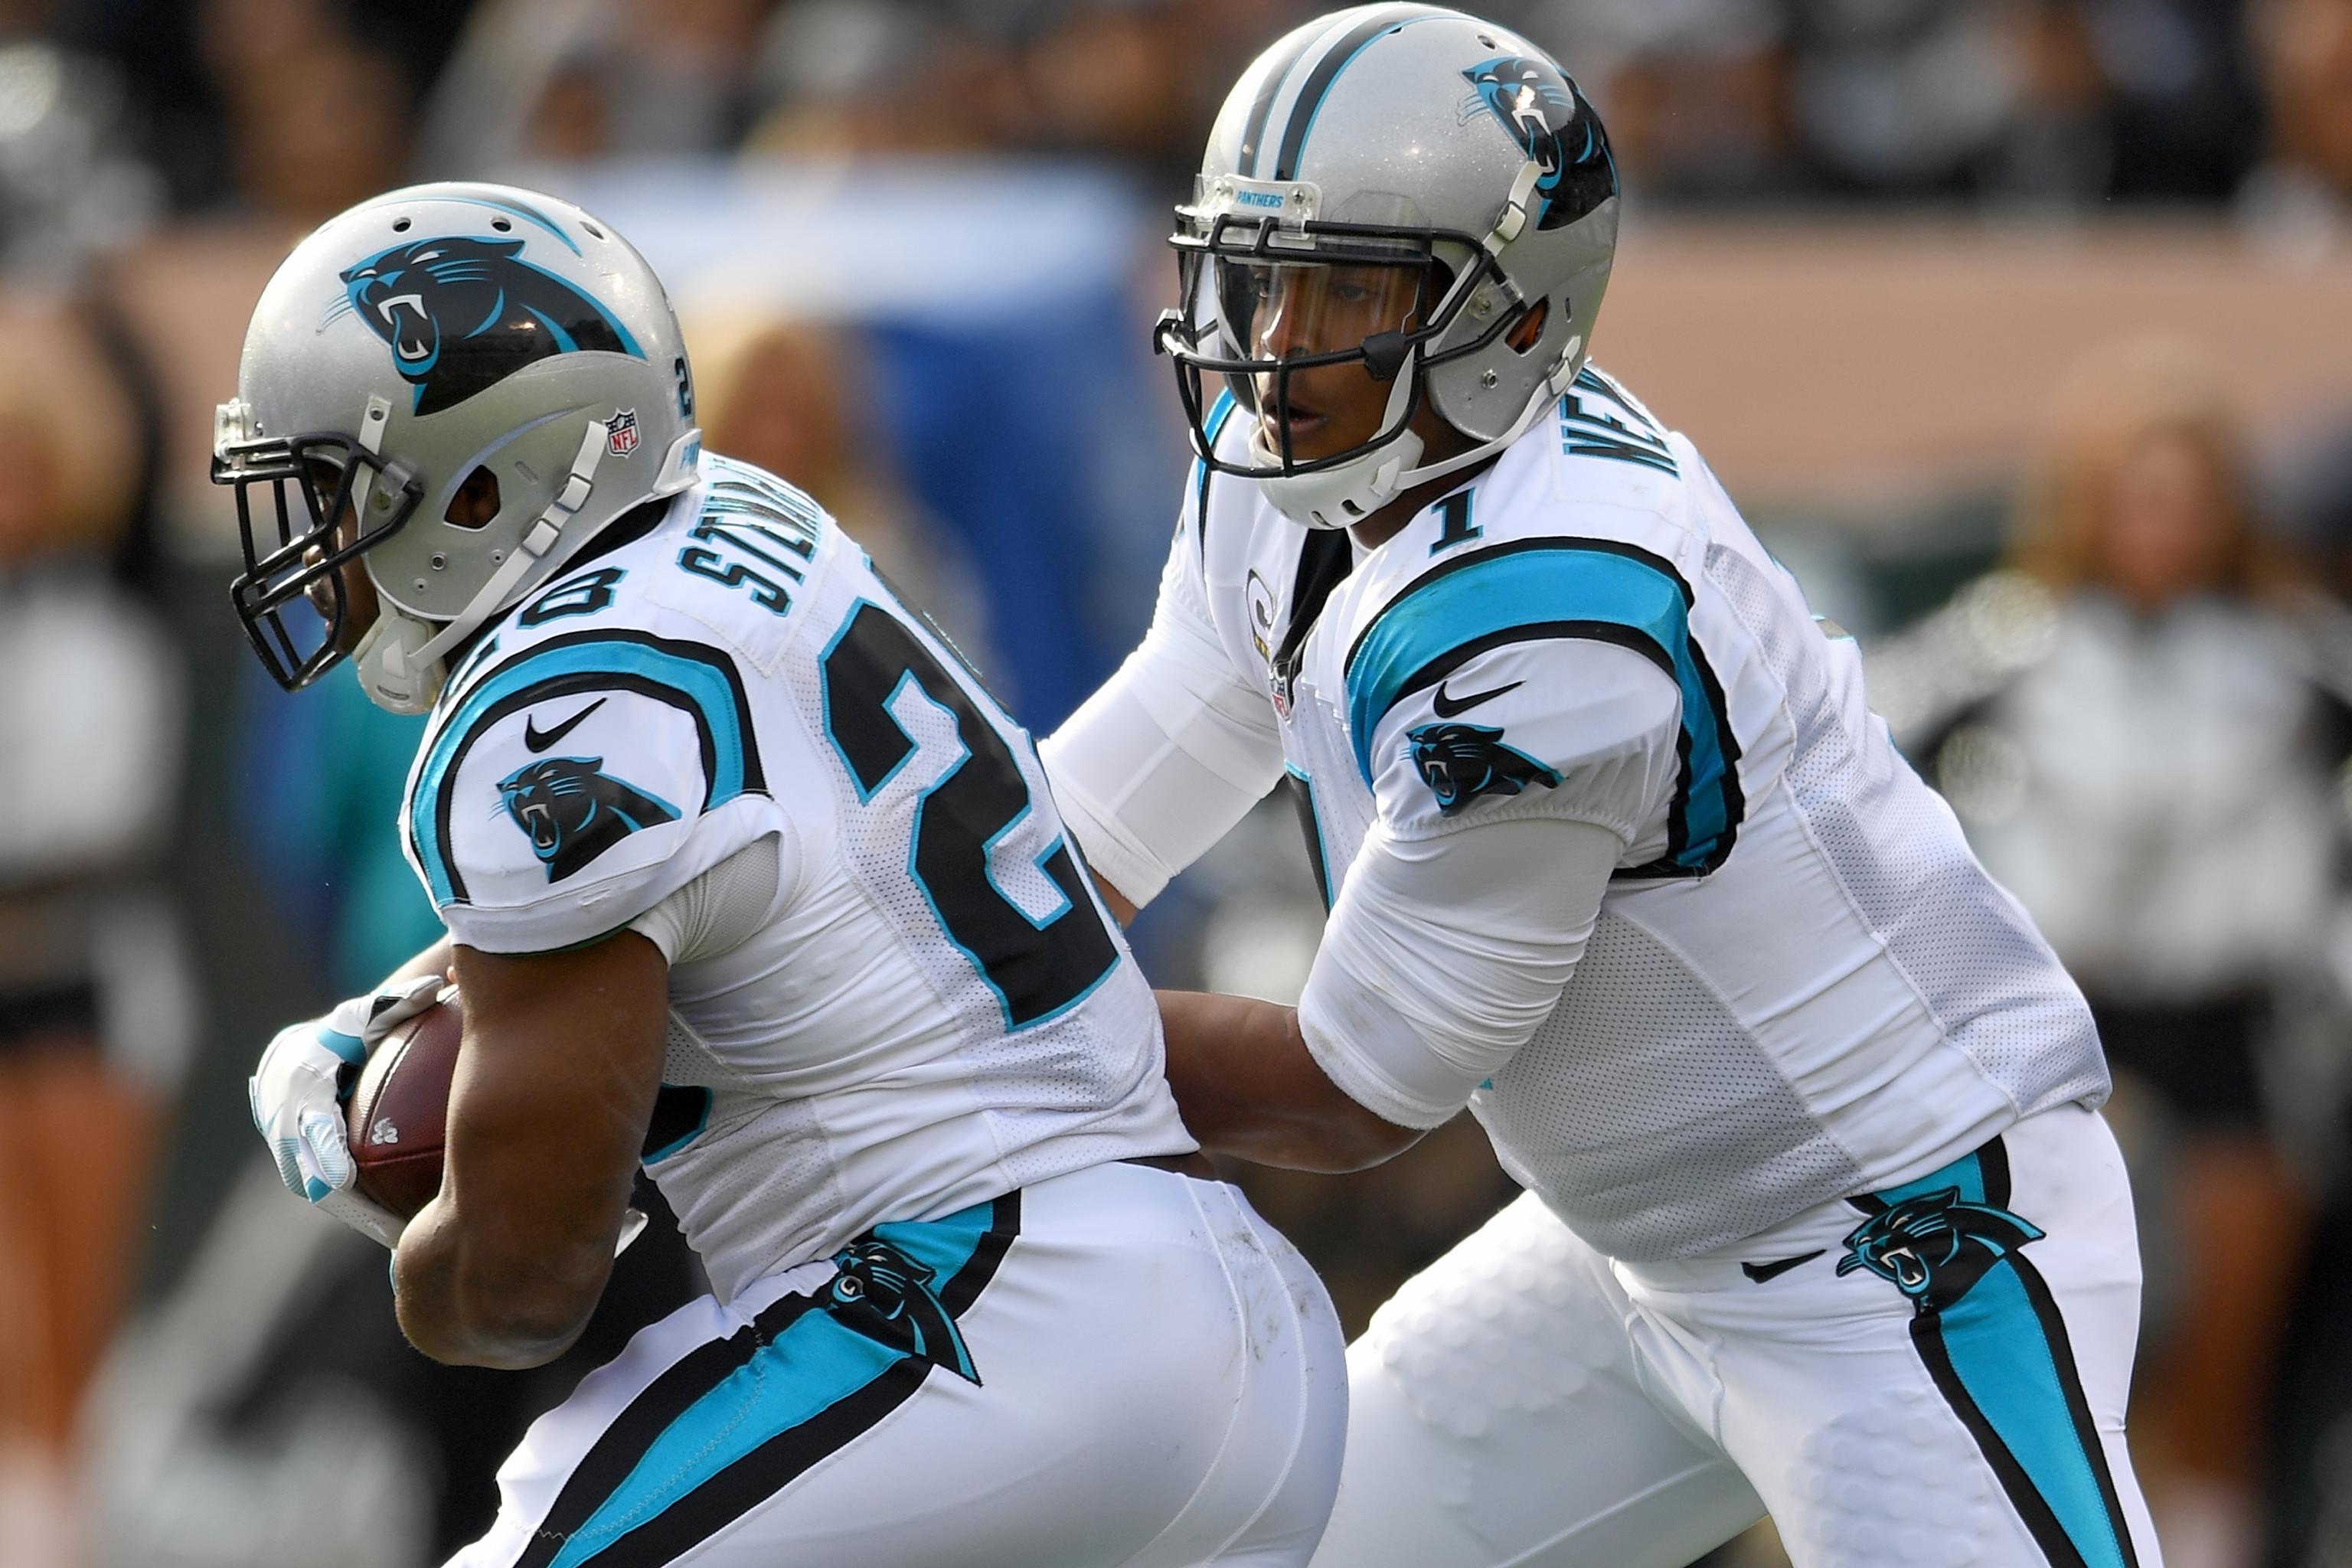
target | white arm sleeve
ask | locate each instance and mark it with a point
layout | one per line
(1444, 955)
(717, 911)
(1170, 752)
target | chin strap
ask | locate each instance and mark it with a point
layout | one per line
(1562, 376)
(1345, 496)
(403, 674)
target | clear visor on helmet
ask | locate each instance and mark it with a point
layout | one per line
(290, 597)
(1310, 330)
(1325, 341)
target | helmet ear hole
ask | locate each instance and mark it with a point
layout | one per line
(1528, 329)
(475, 504)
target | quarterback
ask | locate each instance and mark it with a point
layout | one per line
(1821, 1219)
(746, 879)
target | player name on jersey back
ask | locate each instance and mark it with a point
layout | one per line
(935, 1008)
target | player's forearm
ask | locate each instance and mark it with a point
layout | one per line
(1247, 1087)
(463, 1305)
(562, 1062)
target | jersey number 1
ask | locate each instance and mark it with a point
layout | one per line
(1037, 967)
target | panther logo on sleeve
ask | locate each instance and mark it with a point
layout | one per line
(1462, 762)
(462, 314)
(573, 810)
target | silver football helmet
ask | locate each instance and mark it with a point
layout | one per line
(462, 383)
(1452, 155)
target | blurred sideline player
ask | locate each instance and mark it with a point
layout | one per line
(1820, 1217)
(745, 876)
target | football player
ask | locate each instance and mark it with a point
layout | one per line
(746, 879)
(1821, 1218)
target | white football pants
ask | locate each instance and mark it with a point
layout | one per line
(1935, 1374)
(1118, 1366)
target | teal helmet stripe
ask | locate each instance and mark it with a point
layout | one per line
(1336, 60)
(528, 214)
(1599, 590)
(1252, 153)
(698, 679)
(628, 343)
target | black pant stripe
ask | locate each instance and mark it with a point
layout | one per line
(608, 1462)
(987, 1255)
(615, 1454)
(1992, 1165)
(760, 1474)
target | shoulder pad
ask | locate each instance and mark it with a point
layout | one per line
(556, 799)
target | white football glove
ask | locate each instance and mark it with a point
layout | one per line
(298, 1100)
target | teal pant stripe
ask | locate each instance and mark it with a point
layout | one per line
(813, 1364)
(1991, 1335)
(1998, 1354)
(945, 1243)
(1557, 588)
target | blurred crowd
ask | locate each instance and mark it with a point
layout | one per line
(2138, 697)
(294, 105)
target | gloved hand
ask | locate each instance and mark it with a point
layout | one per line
(298, 1092)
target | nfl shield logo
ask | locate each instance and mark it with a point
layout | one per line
(621, 437)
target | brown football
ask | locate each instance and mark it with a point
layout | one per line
(398, 1115)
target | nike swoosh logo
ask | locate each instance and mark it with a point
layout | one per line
(539, 739)
(1760, 1272)
(1447, 707)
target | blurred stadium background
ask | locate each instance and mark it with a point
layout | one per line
(2021, 329)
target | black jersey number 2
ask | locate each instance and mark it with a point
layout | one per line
(1036, 968)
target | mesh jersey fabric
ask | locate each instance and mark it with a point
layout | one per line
(935, 1011)
(1800, 983)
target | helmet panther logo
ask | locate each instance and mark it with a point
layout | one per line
(461, 315)
(1462, 762)
(1934, 1246)
(887, 1296)
(573, 811)
(1553, 125)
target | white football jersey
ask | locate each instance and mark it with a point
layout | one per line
(935, 1009)
(1800, 983)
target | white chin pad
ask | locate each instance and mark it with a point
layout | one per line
(1345, 493)
(387, 666)
(1343, 496)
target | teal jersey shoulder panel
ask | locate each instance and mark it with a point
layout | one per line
(698, 679)
(1563, 587)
